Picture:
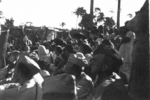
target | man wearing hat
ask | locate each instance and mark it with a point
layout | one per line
(75, 65)
(26, 82)
(109, 86)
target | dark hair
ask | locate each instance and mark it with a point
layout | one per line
(59, 96)
(101, 36)
(24, 70)
(42, 64)
(76, 69)
(125, 40)
(112, 59)
(69, 48)
(113, 64)
(86, 49)
(107, 42)
(58, 49)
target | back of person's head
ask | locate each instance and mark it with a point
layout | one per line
(69, 49)
(112, 59)
(86, 48)
(58, 49)
(59, 87)
(24, 71)
(107, 42)
(26, 66)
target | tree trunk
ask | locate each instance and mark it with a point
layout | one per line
(3, 47)
(118, 14)
(91, 13)
(77, 22)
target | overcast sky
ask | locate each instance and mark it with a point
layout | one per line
(53, 12)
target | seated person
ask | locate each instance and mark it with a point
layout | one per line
(26, 82)
(75, 66)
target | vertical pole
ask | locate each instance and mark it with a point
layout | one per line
(91, 13)
(118, 14)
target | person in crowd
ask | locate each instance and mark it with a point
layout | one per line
(59, 87)
(108, 43)
(27, 41)
(58, 53)
(44, 66)
(125, 51)
(100, 39)
(85, 47)
(43, 54)
(7, 72)
(109, 86)
(26, 84)
(75, 66)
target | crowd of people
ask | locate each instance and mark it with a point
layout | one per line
(80, 68)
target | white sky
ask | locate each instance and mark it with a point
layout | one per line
(53, 12)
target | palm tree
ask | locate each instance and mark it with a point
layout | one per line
(79, 13)
(62, 24)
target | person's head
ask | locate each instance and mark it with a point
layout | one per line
(42, 51)
(67, 51)
(76, 63)
(23, 73)
(33, 55)
(58, 50)
(85, 48)
(13, 56)
(105, 60)
(26, 68)
(43, 54)
(108, 43)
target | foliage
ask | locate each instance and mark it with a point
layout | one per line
(80, 11)
(97, 18)
(9, 23)
(62, 24)
(109, 22)
(85, 21)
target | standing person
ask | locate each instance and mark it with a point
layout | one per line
(27, 41)
(105, 64)
(75, 65)
(125, 51)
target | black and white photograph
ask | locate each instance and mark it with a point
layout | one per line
(74, 50)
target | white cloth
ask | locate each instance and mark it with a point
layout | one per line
(126, 53)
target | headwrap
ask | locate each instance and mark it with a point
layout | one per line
(78, 59)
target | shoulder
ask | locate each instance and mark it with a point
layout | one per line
(86, 77)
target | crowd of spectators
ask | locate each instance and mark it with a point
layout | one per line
(96, 67)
